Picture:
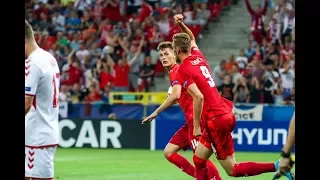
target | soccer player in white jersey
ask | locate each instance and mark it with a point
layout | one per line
(41, 109)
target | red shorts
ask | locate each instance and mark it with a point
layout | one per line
(184, 138)
(217, 135)
(181, 138)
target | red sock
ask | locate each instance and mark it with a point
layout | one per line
(201, 168)
(251, 169)
(182, 163)
(213, 171)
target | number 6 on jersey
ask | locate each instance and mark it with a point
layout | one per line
(205, 72)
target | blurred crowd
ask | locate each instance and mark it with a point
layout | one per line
(264, 71)
(110, 45)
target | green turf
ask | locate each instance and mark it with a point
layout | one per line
(120, 164)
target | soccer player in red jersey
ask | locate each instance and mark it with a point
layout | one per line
(183, 138)
(195, 76)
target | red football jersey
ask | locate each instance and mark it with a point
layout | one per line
(185, 99)
(195, 69)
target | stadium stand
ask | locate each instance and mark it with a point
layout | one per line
(109, 45)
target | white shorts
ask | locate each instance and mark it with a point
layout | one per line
(39, 162)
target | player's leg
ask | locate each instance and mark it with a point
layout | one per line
(39, 163)
(179, 141)
(244, 169)
(224, 146)
(201, 155)
(213, 172)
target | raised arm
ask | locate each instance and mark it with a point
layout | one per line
(265, 7)
(250, 10)
(178, 18)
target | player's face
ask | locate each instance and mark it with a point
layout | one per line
(167, 57)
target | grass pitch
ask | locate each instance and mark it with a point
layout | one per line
(120, 164)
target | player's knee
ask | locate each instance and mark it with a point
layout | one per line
(167, 152)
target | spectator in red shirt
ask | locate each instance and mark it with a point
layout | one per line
(121, 71)
(106, 79)
(74, 74)
(145, 11)
(257, 22)
(94, 94)
(42, 9)
(111, 10)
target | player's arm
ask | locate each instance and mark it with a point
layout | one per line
(265, 7)
(197, 98)
(32, 76)
(175, 95)
(171, 100)
(287, 148)
(185, 29)
(27, 104)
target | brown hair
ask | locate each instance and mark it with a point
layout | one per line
(28, 32)
(165, 44)
(182, 41)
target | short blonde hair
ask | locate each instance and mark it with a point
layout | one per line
(28, 32)
(182, 41)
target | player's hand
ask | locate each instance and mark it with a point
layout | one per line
(284, 165)
(197, 131)
(150, 117)
(178, 18)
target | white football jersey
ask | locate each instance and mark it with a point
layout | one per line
(42, 80)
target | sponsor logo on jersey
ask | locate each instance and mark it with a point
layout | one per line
(185, 84)
(27, 89)
(174, 82)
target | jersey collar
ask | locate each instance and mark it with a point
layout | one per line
(173, 66)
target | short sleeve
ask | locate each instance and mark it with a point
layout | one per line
(196, 51)
(185, 77)
(174, 78)
(32, 77)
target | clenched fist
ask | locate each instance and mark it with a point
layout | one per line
(178, 18)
